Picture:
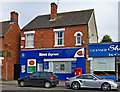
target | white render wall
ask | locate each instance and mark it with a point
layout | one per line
(92, 29)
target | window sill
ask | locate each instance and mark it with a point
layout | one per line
(59, 45)
(78, 44)
(30, 47)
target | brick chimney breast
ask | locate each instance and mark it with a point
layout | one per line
(53, 11)
(14, 17)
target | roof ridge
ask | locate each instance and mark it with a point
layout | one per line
(4, 21)
(68, 12)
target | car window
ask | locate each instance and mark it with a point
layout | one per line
(80, 77)
(42, 74)
(34, 75)
(51, 74)
(88, 77)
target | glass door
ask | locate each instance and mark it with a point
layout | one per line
(39, 67)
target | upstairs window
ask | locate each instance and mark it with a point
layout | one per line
(78, 38)
(29, 39)
(59, 37)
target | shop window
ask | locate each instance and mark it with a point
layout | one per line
(78, 38)
(103, 66)
(59, 37)
(62, 67)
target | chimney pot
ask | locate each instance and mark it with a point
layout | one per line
(14, 17)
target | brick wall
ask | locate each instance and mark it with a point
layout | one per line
(12, 37)
(45, 38)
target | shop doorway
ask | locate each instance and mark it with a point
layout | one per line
(16, 71)
(39, 67)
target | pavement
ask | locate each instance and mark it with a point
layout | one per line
(14, 82)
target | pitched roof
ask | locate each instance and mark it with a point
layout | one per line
(62, 20)
(4, 26)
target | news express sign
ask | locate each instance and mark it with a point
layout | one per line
(31, 63)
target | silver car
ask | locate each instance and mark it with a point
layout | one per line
(90, 81)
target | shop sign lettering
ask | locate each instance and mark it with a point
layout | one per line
(111, 48)
(114, 48)
(48, 54)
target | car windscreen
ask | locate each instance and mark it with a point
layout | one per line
(98, 77)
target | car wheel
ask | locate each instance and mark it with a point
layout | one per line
(75, 85)
(47, 84)
(105, 86)
(22, 84)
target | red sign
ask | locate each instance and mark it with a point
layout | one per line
(31, 62)
(79, 53)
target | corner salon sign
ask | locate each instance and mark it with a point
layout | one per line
(104, 50)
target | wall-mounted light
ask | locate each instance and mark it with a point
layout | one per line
(7, 45)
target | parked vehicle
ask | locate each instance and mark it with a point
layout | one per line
(46, 79)
(90, 81)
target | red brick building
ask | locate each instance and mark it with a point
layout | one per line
(9, 51)
(60, 30)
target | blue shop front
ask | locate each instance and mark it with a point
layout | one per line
(105, 62)
(62, 62)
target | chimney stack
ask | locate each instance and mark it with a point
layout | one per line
(14, 17)
(53, 11)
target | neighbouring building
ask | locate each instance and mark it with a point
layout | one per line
(10, 48)
(105, 60)
(58, 42)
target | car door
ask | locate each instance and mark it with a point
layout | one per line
(33, 79)
(42, 78)
(90, 81)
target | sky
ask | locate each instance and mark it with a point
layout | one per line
(106, 12)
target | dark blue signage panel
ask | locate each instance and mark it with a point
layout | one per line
(52, 53)
(104, 50)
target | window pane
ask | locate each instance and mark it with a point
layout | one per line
(59, 39)
(60, 43)
(78, 35)
(61, 34)
(78, 40)
(42, 74)
(30, 40)
(35, 75)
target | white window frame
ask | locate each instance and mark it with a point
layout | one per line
(78, 44)
(27, 33)
(56, 37)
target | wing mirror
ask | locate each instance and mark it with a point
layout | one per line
(94, 79)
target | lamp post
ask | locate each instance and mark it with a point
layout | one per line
(6, 45)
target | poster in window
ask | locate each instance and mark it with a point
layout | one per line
(23, 68)
(31, 65)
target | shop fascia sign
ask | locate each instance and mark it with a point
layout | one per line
(79, 53)
(111, 48)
